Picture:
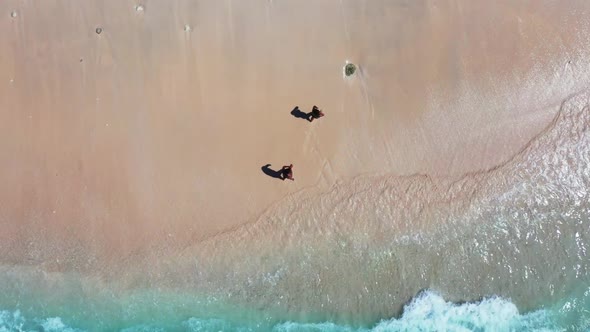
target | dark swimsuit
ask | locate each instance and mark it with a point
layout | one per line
(286, 172)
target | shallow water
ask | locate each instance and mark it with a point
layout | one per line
(427, 312)
(349, 259)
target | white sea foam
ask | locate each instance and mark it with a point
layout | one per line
(15, 321)
(430, 312)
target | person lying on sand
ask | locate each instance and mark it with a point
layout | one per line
(287, 173)
(316, 113)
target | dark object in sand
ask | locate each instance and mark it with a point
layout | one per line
(349, 69)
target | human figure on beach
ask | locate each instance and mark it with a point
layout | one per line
(287, 173)
(315, 113)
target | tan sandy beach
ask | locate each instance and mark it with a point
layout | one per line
(149, 137)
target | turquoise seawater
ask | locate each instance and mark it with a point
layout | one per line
(428, 311)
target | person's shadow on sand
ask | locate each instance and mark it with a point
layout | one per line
(296, 112)
(271, 172)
